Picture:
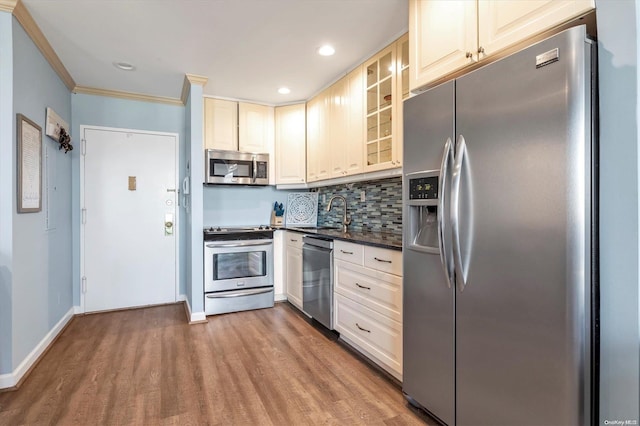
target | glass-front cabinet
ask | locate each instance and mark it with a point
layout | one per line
(387, 84)
(381, 90)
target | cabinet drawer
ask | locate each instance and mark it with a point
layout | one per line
(384, 260)
(348, 251)
(293, 239)
(379, 291)
(380, 337)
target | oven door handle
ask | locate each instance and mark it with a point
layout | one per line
(215, 245)
(239, 293)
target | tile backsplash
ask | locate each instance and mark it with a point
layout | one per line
(381, 211)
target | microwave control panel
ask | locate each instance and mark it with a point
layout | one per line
(262, 170)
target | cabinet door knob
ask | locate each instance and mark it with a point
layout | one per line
(480, 49)
(469, 55)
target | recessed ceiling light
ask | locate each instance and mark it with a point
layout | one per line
(124, 66)
(284, 90)
(326, 50)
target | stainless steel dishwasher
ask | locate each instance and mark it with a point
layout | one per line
(317, 279)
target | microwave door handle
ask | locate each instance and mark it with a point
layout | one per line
(255, 168)
(214, 245)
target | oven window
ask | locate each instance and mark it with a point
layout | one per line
(239, 265)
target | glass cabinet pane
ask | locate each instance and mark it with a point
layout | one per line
(385, 150)
(372, 128)
(372, 153)
(372, 74)
(404, 55)
(385, 93)
(385, 123)
(372, 99)
(386, 66)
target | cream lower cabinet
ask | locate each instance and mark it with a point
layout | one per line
(293, 268)
(368, 302)
(448, 35)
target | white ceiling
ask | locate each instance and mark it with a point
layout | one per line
(247, 48)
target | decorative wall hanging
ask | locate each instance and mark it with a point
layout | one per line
(58, 130)
(29, 165)
(302, 209)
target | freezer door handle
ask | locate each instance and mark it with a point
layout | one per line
(461, 150)
(443, 181)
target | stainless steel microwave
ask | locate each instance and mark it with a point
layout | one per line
(236, 168)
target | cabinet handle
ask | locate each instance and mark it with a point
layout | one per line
(382, 260)
(480, 49)
(469, 55)
(363, 329)
(393, 162)
(293, 241)
(346, 252)
(361, 286)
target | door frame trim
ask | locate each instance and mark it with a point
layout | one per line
(177, 220)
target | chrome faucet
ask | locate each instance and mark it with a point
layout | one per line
(345, 222)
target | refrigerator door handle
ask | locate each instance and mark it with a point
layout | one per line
(443, 181)
(461, 149)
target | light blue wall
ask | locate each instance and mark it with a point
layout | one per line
(41, 258)
(187, 205)
(7, 161)
(126, 114)
(241, 205)
(618, 73)
(196, 153)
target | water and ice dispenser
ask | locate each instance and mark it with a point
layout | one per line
(422, 210)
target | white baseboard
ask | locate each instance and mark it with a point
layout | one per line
(77, 310)
(194, 316)
(280, 297)
(11, 379)
(182, 298)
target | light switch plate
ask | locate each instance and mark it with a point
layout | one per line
(362, 196)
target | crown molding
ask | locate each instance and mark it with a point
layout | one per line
(191, 79)
(127, 95)
(26, 20)
(8, 5)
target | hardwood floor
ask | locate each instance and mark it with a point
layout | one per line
(148, 366)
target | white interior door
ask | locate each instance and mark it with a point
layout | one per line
(129, 195)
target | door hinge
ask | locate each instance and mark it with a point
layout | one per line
(84, 285)
(83, 145)
(84, 216)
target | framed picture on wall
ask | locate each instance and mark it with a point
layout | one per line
(29, 165)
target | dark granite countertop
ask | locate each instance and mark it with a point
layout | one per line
(376, 239)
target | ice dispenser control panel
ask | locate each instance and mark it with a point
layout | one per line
(423, 188)
(422, 211)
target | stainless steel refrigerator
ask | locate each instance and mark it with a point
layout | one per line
(500, 296)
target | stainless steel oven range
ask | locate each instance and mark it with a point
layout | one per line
(238, 269)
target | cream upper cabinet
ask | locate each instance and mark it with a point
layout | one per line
(255, 123)
(256, 132)
(443, 38)
(318, 152)
(503, 23)
(322, 153)
(354, 110)
(447, 35)
(337, 126)
(220, 124)
(290, 153)
(314, 137)
(346, 135)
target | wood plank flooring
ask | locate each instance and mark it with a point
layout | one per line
(148, 366)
